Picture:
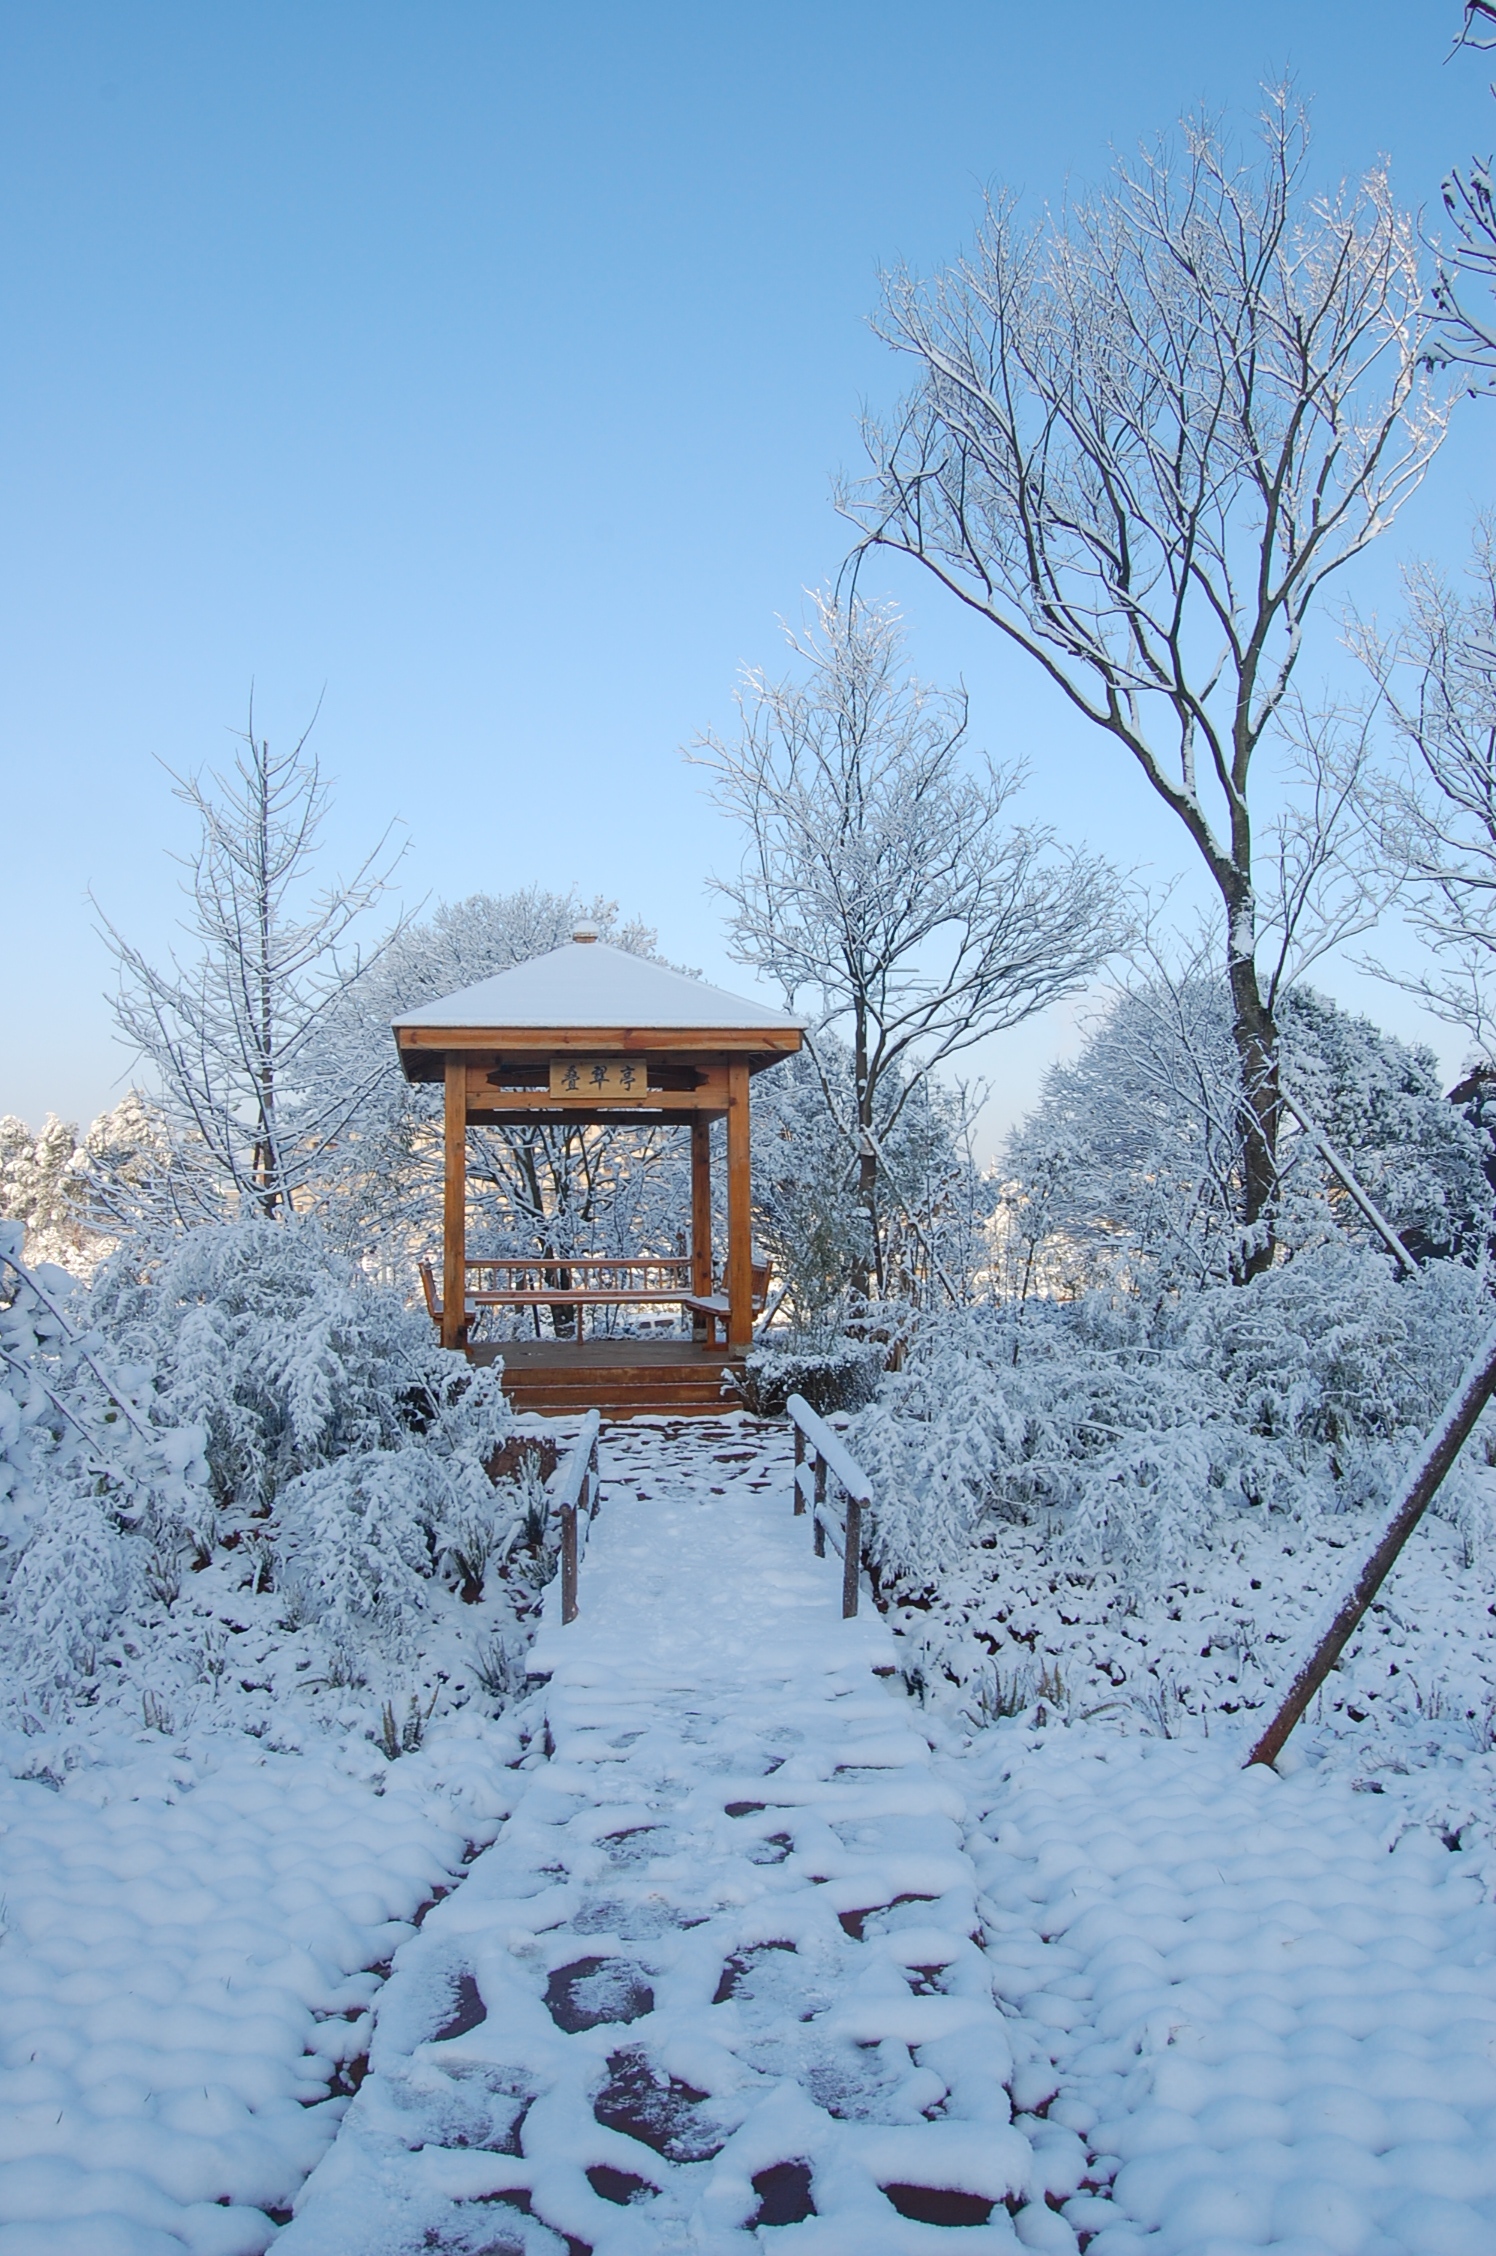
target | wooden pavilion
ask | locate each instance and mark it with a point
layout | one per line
(590, 1035)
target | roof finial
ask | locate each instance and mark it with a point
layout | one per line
(584, 929)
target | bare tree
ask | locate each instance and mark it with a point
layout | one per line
(879, 875)
(1142, 436)
(229, 1033)
(1466, 338)
(1438, 815)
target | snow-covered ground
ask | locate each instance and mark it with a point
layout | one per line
(203, 1876)
(1409, 1712)
(192, 1938)
(769, 1952)
(1270, 2018)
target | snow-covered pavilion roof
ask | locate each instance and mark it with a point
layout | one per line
(588, 984)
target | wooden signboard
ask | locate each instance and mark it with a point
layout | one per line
(616, 1080)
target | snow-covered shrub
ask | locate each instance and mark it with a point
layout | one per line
(835, 1375)
(88, 1454)
(282, 1350)
(1130, 1432)
(275, 1397)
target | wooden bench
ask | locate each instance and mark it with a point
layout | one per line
(715, 1307)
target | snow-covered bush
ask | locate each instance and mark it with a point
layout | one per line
(283, 1350)
(1131, 1432)
(264, 1393)
(88, 1455)
(831, 1375)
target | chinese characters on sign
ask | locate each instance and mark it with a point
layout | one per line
(614, 1080)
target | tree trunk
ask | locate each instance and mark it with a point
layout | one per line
(866, 1271)
(1256, 1039)
(867, 1194)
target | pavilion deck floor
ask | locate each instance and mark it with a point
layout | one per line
(623, 1378)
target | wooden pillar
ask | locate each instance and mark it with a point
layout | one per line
(739, 1210)
(454, 1208)
(701, 1204)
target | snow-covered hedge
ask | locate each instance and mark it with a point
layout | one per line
(1132, 1432)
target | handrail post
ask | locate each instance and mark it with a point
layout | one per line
(574, 1484)
(568, 1562)
(851, 1558)
(828, 1456)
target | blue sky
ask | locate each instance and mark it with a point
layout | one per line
(486, 367)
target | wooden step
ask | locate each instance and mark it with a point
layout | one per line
(645, 1379)
(631, 1405)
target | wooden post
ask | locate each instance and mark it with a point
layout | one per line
(799, 1461)
(819, 1506)
(454, 1208)
(568, 1562)
(851, 1558)
(701, 1215)
(739, 1211)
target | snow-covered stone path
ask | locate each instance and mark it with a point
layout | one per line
(767, 1955)
(718, 1972)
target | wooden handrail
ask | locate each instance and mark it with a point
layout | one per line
(678, 1264)
(828, 1454)
(600, 1281)
(573, 1488)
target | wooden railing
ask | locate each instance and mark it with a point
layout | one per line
(519, 1280)
(819, 1453)
(573, 1490)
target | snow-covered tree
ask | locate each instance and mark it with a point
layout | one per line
(807, 1211)
(228, 1033)
(1437, 815)
(1466, 336)
(1142, 436)
(882, 881)
(41, 1187)
(1128, 1170)
(561, 1190)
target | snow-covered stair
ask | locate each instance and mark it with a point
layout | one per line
(717, 1976)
